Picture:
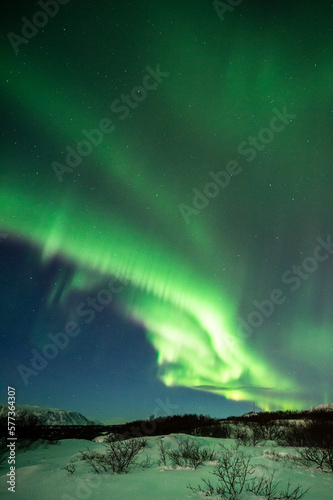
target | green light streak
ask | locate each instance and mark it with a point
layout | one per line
(186, 311)
(181, 311)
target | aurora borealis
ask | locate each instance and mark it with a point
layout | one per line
(165, 209)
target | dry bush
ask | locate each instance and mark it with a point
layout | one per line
(120, 456)
(234, 476)
(189, 454)
(321, 457)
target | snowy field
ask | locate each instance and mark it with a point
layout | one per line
(41, 473)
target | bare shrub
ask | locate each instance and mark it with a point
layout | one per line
(254, 433)
(94, 460)
(312, 433)
(146, 463)
(190, 454)
(163, 452)
(273, 430)
(294, 434)
(233, 472)
(267, 488)
(120, 456)
(321, 457)
(257, 433)
(275, 455)
(243, 436)
(319, 433)
(266, 431)
(71, 467)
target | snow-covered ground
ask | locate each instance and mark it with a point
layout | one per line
(40, 474)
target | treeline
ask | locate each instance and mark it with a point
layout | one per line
(284, 415)
(186, 424)
(30, 428)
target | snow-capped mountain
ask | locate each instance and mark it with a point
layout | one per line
(323, 407)
(53, 416)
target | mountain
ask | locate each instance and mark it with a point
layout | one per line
(323, 407)
(53, 416)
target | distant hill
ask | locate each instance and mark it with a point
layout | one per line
(53, 416)
(323, 407)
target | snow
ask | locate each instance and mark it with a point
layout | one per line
(52, 416)
(323, 407)
(40, 473)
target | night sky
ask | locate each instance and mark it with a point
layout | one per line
(166, 235)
